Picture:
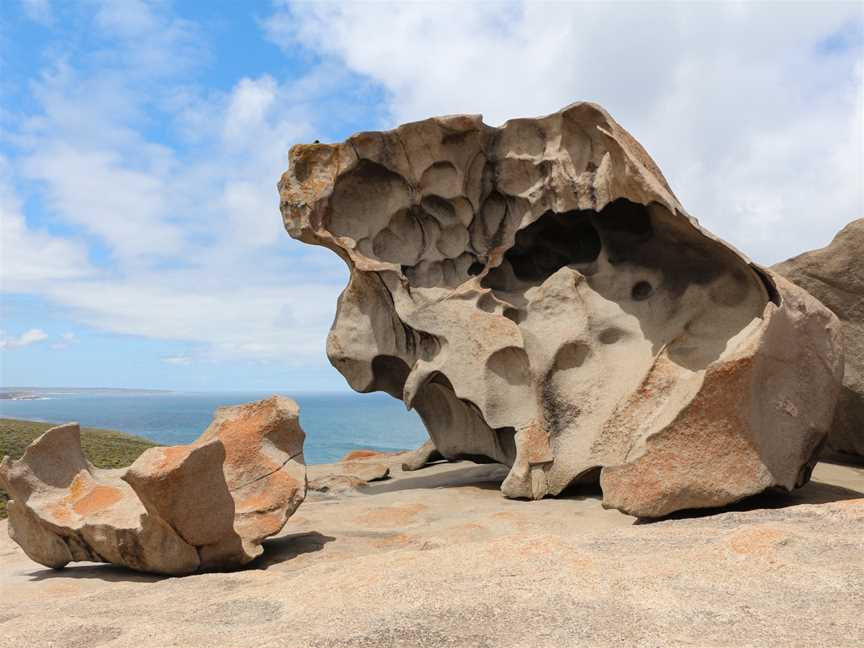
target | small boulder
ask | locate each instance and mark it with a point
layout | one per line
(363, 470)
(335, 484)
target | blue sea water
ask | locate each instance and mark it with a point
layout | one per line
(335, 423)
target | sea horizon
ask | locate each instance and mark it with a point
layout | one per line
(335, 422)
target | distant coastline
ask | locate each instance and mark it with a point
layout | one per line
(45, 393)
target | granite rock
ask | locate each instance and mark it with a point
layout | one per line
(207, 505)
(835, 276)
(539, 296)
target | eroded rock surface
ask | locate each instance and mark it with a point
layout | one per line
(540, 297)
(835, 276)
(438, 559)
(176, 509)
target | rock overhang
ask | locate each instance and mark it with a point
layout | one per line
(540, 296)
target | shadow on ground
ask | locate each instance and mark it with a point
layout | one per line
(488, 477)
(276, 551)
(483, 476)
(813, 492)
(841, 459)
(100, 571)
(282, 549)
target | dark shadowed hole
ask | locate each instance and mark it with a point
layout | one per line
(507, 439)
(514, 315)
(389, 375)
(584, 486)
(552, 242)
(641, 290)
(475, 268)
(611, 335)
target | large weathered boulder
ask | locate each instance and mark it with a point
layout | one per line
(835, 276)
(236, 485)
(62, 509)
(538, 294)
(176, 509)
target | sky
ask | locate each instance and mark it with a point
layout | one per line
(141, 244)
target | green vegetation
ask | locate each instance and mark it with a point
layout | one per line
(104, 448)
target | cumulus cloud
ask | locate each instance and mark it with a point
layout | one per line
(125, 208)
(156, 212)
(32, 336)
(31, 257)
(66, 340)
(753, 111)
(194, 242)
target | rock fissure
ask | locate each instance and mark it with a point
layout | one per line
(234, 489)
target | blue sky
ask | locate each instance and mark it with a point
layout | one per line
(141, 142)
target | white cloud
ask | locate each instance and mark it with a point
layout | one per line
(66, 340)
(126, 208)
(196, 248)
(754, 120)
(32, 336)
(177, 235)
(152, 40)
(248, 106)
(31, 258)
(234, 318)
(178, 360)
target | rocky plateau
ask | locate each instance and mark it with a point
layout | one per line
(439, 558)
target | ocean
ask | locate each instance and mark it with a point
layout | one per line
(335, 423)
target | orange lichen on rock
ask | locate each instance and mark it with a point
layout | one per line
(206, 504)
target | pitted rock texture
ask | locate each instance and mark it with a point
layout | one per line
(835, 276)
(176, 509)
(539, 296)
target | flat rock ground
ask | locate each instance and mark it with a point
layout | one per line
(440, 558)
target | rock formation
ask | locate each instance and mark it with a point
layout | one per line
(176, 509)
(538, 294)
(835, 276)
(352, 471)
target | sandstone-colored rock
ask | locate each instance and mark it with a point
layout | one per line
(334, 483)
(541, 298)
(176, 509)
(62, 509)
(835, 276)
(438, 559)
(236, 485)
(364, 470)
(365, 455)
(354, 470)
(422, 456)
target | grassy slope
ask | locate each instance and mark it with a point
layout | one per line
(104, 448)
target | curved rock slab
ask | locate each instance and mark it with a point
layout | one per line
(538, 294)
(205, 505)
(835, 276)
